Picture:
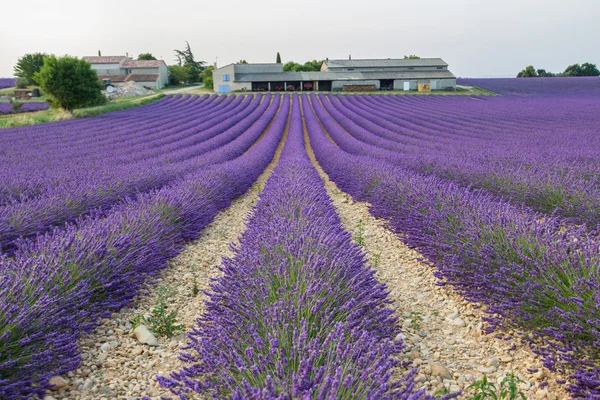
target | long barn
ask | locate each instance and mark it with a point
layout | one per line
(336, 75)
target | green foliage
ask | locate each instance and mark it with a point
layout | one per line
(70, 83)
(542, 73)
(178, 74)
(162, 321)
(360, 235)
(195, 288)
(16, 105)
(242, 62)
(585, 69)
(186, 58)
(309, 66)
(589, 69)
(278, 59)
(484, 389)
(21, 83)
(415, 320)
(528, 72)
(207, 76)
(377, 258)
(138, 319)
(411, 57)
(146, 56)
(28, 65)
(509, 389)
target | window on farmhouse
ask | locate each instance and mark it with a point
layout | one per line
(226, 77)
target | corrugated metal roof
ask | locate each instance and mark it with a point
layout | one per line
(104, 59)
(342, 76)
(389, 62)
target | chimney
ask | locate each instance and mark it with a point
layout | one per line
(349, 56)
(327, 59)
(127, 55)
(99, 54)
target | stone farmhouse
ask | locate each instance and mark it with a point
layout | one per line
(153, 74)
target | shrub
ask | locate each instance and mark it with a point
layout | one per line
(21, 83)
(70, 83)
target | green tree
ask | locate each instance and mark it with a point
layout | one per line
(146, 56)
(207, 76)
(573, 70)
(528, 72)
(278, 60)
(308, 66)
(70, 82)
(292, 66)
(242, 62)
(314, 65)
(411, 57)
(28, 65)
(186, 58)
(544, 74)
(589, 69)
(178, 74)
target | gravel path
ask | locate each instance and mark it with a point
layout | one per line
(116, 365)
(447, 344)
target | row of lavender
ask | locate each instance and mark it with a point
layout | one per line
(512, 147)
(297, 312)
(57, 286)
(98, 186)
(7, 82)
(534, 272)
(7, 108)
(559, 86)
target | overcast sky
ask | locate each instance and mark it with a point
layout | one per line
(477, 38)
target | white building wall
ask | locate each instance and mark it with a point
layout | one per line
(108, 69)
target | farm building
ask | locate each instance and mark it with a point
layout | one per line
(153, 74)
(337, 75)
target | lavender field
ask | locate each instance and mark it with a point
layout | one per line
(7, 82)
(500, 196)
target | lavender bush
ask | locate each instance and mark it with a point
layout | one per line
(507, 157)
(297, 313)
(75, 198)
(6, 108)
(559, 86)
(7, 82)
(57, 286)
(534, 272)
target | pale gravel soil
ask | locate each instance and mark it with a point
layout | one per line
(458, 344)
(127, 369)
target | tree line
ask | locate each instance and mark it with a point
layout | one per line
(585, 69)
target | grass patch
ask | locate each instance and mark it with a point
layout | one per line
(14, 120)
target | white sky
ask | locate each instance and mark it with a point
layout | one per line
(478, 38)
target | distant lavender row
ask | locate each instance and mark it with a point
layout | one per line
(7, 82)
(58, 286)
(25, 219)
(297, 313)
(561, 86)
(6, 108)
(533, 271)
(527, 163)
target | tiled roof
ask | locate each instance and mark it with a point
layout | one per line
(142, 63)
(114, 78)
(142, 77)
(389, 62)
(104, 59)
